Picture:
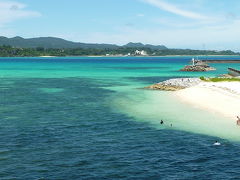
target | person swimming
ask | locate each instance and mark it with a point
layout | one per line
(217, 143)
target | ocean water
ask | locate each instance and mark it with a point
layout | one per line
(89, 118)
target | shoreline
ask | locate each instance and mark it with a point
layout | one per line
(94, 56)
(103, 56)
(222, 98)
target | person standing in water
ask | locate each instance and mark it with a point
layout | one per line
(238, 121)
(161, 122)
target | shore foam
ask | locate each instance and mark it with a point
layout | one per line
(222, 98)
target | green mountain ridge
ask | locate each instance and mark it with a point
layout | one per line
(57, 43)
(140, 45)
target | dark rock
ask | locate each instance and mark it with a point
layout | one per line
(197, 68)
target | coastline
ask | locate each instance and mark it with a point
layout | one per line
(94, 56)
(222, 98)
(103, 56)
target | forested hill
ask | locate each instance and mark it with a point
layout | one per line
(8, 51)
(51, 46)
(58, 43)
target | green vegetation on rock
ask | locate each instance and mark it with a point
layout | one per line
(219, 79)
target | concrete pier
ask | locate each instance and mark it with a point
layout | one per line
(221, 61)
(233, 72)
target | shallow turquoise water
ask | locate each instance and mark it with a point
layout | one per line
(88, 118)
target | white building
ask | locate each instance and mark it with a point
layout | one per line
(140, 53)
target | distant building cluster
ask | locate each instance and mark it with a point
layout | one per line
(140, 53)
(136, 53)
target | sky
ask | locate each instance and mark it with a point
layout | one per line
(194, 24)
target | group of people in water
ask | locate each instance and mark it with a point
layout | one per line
(238, 121)
(216, 142)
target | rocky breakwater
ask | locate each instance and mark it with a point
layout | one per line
(175, 84)
(197, 68)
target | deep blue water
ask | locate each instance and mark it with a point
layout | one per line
(60, 127)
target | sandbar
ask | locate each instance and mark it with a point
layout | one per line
(222, 98)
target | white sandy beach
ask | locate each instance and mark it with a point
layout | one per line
(222, 98)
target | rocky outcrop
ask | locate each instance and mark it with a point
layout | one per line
(197, 68)
(164, 87)
(175, 84)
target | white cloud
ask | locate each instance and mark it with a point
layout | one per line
(175, 10)
(11, 11)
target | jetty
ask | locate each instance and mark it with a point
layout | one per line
(233, 72)
(220, 61)
(198, 65)
(202, 65)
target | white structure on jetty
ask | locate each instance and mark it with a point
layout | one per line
(196, 62)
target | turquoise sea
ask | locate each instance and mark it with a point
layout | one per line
(89, 118)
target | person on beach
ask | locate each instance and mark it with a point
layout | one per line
(238, 121)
